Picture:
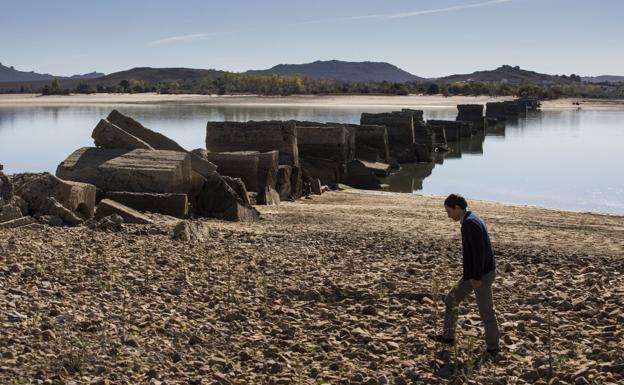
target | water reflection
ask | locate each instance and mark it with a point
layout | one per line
(454, 150)
(562, 159)
(495, 130)
(412, 176)
(474, 144)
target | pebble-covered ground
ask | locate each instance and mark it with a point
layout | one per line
(340, 289)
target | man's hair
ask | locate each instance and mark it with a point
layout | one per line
(456, 200)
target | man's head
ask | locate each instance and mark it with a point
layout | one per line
(455, 206)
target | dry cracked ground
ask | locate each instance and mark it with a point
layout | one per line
(340, 289)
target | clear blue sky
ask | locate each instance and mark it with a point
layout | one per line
(425, 37)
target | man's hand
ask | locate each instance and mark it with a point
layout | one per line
(476, 283)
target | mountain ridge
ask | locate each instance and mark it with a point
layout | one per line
(10, 74)
(513, 75)
(342, 70)
(362, 72)
(165, 74)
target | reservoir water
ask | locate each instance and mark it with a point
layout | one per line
(569, 160)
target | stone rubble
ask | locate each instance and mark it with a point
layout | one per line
(317, 292)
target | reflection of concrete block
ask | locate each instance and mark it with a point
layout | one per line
(423, 153)
(440, 134)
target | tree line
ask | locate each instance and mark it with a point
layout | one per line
(234, 83)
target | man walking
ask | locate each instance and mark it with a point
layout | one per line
(479, 273)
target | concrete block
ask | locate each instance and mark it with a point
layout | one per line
(139, 170)
(35, 189)
(108, 135)
(19, 222)
(218, 200)
(108, 207)
(241, 164)
(159, 141)
(175, 205)
(255, 136)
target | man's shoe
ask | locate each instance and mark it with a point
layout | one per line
(493, 353)
(440, 338)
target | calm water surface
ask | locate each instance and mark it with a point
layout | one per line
(561, 159)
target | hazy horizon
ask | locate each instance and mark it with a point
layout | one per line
(426, 38)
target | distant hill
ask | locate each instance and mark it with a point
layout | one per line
(12, 80)
(155, 75)
(342, 70)
(603, 79)
(508, 74)
(147, 74)
(10, 74)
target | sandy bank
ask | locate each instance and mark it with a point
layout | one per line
(330, 290)
(289, 101)
(584, 104)
(350, 101)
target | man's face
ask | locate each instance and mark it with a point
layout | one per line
(454, 212)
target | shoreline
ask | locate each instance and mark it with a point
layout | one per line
(341, 101)
(519, 205)
(347, 282)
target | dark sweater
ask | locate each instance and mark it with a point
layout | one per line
(477, 250)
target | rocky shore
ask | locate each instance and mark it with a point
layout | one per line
(339, 289)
